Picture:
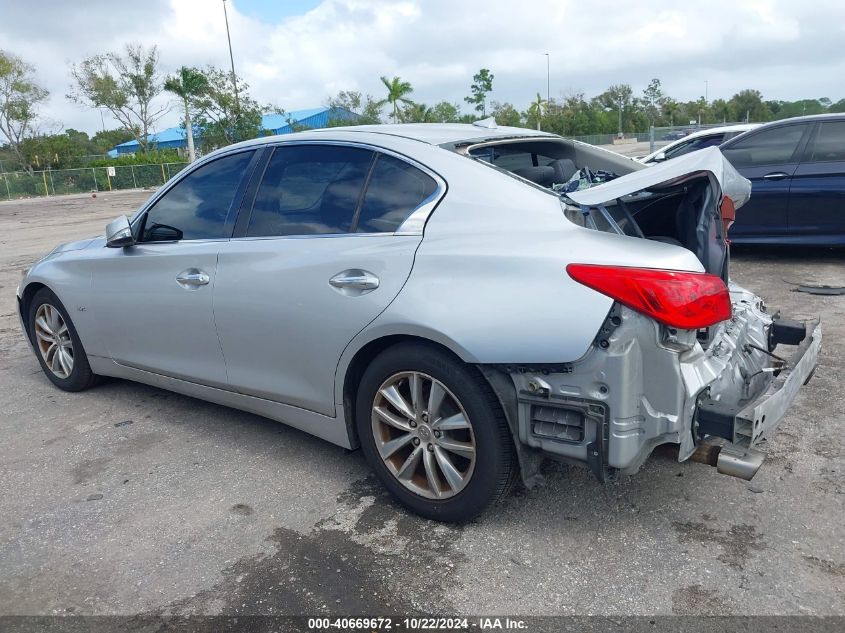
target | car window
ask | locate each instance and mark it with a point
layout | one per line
(308, 190)
(395, 189)
(510, 158)
(694, 144)
(769, 147)
(670, 152)
(196, 207)
(730, 135)
(830, 143)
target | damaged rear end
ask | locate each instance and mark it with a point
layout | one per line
(683, 357)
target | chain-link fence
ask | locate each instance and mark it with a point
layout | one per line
(661, 134)
(53, 182)
(656, 138)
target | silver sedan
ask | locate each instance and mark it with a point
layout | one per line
(460, 301)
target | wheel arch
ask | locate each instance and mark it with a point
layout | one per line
(356, 361)
(366, 351)
(26, 300)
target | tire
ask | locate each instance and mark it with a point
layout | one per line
(469, 415)
(54, 339)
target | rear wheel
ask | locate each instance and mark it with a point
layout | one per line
(433, 431)
(56, 343)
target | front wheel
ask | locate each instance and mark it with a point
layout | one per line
(433, 431)
(57, 344)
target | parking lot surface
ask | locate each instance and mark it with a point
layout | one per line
(126, 499)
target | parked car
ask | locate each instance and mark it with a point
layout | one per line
(711, 137)
(797, 173)
(427, 293)
(674, 135)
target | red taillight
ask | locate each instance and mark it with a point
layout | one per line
(684, 300)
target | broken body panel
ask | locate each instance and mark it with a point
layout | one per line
(642, 384)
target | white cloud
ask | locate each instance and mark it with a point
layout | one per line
(776, 46)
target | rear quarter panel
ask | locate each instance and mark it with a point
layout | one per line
(489, 279)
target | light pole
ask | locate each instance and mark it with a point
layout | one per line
(232, 60)
(548, 80)
(620, 117)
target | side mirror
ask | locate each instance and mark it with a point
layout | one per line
(659, 157)
(119, 233)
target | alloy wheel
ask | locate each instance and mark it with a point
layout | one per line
(53, 339)
(423, 435)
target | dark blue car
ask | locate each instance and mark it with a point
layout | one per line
(797, 173)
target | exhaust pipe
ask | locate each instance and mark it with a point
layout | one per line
(730, 460)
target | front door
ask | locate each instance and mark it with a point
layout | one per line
(317, 262)
(154, 300)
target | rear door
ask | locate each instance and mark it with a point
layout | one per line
(768, 158)
(319, 256)
(817, 197)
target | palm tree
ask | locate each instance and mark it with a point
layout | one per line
(537, 109)
(186, 84)
(671, 108)
(396, 93)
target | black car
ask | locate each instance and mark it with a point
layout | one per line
(797, 173)
(676, 135)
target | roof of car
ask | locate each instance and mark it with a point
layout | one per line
(430, 133)
(442, 133)
(739, 127)
(829, 116)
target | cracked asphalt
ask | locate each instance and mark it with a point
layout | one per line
(127, 500)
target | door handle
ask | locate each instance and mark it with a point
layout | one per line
(193, 277)
(354, 282)
(778, 175)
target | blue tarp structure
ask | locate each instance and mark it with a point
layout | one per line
(311, 118)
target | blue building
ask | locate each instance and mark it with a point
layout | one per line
(310, 118)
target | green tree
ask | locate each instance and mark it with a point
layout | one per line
(445, 112)
(187, 84)
(671, 109)
(653, 98)
(482, 84)
(701, 110)
(20, 96)
(417, 113)
(749, 106)
(105, 140)
(839, 106)
(366, 107)
(223, 116)
(802, 107)
(722, 110)
(70, 148)
(397, 92)
(619, 99)
(124, 84)
(505, 114)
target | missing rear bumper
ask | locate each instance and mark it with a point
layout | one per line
(746, 424)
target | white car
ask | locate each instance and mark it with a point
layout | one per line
(711, 137)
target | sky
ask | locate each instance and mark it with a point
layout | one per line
(295, 53)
